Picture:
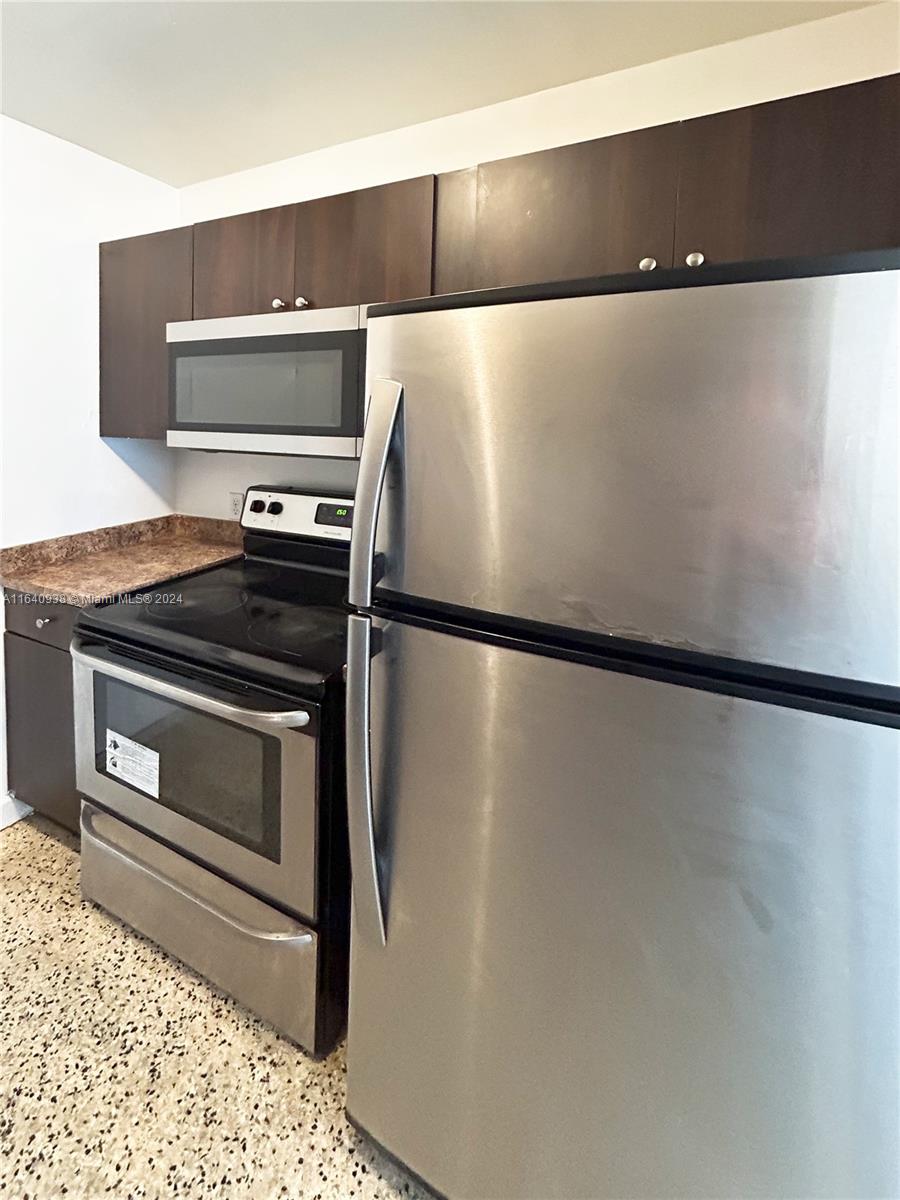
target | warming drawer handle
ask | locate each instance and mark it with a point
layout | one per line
(364, 864)
(301, 938)
(384, 408)
(294, 719)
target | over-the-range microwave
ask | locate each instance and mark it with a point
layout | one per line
(285, 383)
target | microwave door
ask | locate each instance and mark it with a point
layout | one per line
(282, 384)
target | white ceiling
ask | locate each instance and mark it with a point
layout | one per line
(189, 90)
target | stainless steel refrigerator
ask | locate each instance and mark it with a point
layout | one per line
(623, 745)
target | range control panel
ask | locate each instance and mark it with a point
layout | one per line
(303, 514)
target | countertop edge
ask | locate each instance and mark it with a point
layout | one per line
(101, 572)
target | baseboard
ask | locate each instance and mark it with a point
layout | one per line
(12, 810)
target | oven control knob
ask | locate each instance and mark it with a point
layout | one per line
(275, 507)
(257, 505)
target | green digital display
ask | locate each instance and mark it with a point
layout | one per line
(340, 515)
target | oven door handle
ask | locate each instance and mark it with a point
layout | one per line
(381, 421)
(292, 719)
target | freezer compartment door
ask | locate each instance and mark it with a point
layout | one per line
(713, 469)
(639, 939)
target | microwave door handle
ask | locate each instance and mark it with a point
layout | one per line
(294, 719)
(381, 420)
(367, 903)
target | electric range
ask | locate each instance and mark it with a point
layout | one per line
(209, 717)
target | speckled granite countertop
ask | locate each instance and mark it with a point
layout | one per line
(86, 567)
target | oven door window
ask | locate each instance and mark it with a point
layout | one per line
(223, 776)
(306, 384)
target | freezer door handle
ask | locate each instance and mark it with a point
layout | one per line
(367, 902)
(384, 408)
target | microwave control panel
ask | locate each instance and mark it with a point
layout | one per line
(301, 514)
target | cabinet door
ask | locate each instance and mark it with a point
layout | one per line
(144, 282)
(365, 246)
(454, 231)
(40, 728)
(595, 208)
(244, 264)
(813, 174)
(396, 224)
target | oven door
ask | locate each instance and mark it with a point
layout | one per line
(225, 773)
(288, 383)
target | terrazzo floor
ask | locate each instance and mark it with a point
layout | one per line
(124, 1074)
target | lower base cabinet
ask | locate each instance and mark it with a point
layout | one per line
(40, 728)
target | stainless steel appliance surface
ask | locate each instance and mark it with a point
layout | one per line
(284, 383)
(623, 725)
(210, 749)
(710, 469)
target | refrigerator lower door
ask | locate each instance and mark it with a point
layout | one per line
(640, 940)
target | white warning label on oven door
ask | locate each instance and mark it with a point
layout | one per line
(132, 762)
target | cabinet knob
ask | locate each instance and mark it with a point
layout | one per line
(647, 264)
(301, 302)
(695, 259)
(42, 621)
(277, 303)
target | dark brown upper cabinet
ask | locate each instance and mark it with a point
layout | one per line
(456, 195)
(595, 208)
(365, 246)
(144, 282)
(354, 248)
(812, 174)
(808, 175)
(244, 264)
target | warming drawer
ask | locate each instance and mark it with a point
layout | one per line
(263, 958)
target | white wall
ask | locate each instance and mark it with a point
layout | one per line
(837, 50)
(56, 475)
(819, 54)
(204, 482)
(58, 202)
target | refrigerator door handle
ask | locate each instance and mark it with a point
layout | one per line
(384, 408)
(367, 901)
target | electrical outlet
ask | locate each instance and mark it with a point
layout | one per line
(237, 504)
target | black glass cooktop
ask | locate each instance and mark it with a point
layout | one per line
(284, 622)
